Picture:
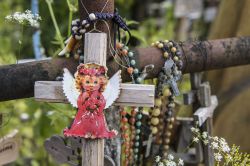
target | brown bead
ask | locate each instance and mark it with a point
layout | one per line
(132, 120)
(167, 140)
(124, 120)
(130, 70)
(166, 147)
(119, 45)
(123, 112)
(124, 52)
(124, 128)
(133, 112)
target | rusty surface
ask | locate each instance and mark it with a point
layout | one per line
(17, 81)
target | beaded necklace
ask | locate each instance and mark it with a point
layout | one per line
(167, 87)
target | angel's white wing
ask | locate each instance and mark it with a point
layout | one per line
(69, 88)
(113, 89)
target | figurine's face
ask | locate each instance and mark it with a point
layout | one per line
(93, 83)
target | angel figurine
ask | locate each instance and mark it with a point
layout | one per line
(91, 92)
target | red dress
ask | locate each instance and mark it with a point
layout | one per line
(90, 120)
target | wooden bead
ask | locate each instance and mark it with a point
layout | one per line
(124, 128)
(166, 147)
(160, 45)
(155, 121)
(124, 52)
(123, 113)
(168, 134)
(119, 45)
(173, 49)
(124, 120)
(166, 55)
(130, 70)
(156, 112)
(158, 102)
(166, 92)
(167, 140)
(170, 126)
(132, 120)
(176, 58)
(154, 130)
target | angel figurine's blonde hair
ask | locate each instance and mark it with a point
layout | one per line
(94, 70)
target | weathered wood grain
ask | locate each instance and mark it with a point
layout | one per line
(131, 94)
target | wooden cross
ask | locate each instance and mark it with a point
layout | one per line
(95, 50)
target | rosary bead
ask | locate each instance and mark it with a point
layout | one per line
(139, 116)
(133, 112)
(165, 154)
(136, 157)
(173, 49)
(172, 119)
(131, 54)
(168, 134)
(171, 105)
(139, 79)
(152, 44)
(132, 120)
(161, 127)
(138, 124)
(87, 25)
(157, 42)
(74, 23)
(160, 45)
(124, 128)
(167, 140)
(132, 62)
(166, 92)
(138, 131)
(130, 70)
(123, 113)
(170, 44)
(156, 112)
(170, 126)
(136, 150)
(137, 144)
(92, 16)
(124, 120)
(126, 48)
(159, 141)
(84, 22)
(119, 45)
(166, 41)
(137, 137)
(166, 55)
(158, 102)
(155, 121)
(136, 71)
(176, 58)
(74, 28)
(154, 130)
(166, 147)
(77, 37)
(82, 31)
(124, 52)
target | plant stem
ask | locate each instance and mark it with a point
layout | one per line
(58, 33)
(70, 17)
(20, 44)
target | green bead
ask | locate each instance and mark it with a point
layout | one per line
(139, 116)
(138, 124)
(136, 150)
(136, 157)
(137, 144)
(136, 71)
(132, 62)
(126, 47)
(137, 137)
(139, 80)
(138, 131)
(131, 54)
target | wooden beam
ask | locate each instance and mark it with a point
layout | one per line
(17, 81)
(144, 94)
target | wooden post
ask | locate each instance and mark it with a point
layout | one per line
(95, 50)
